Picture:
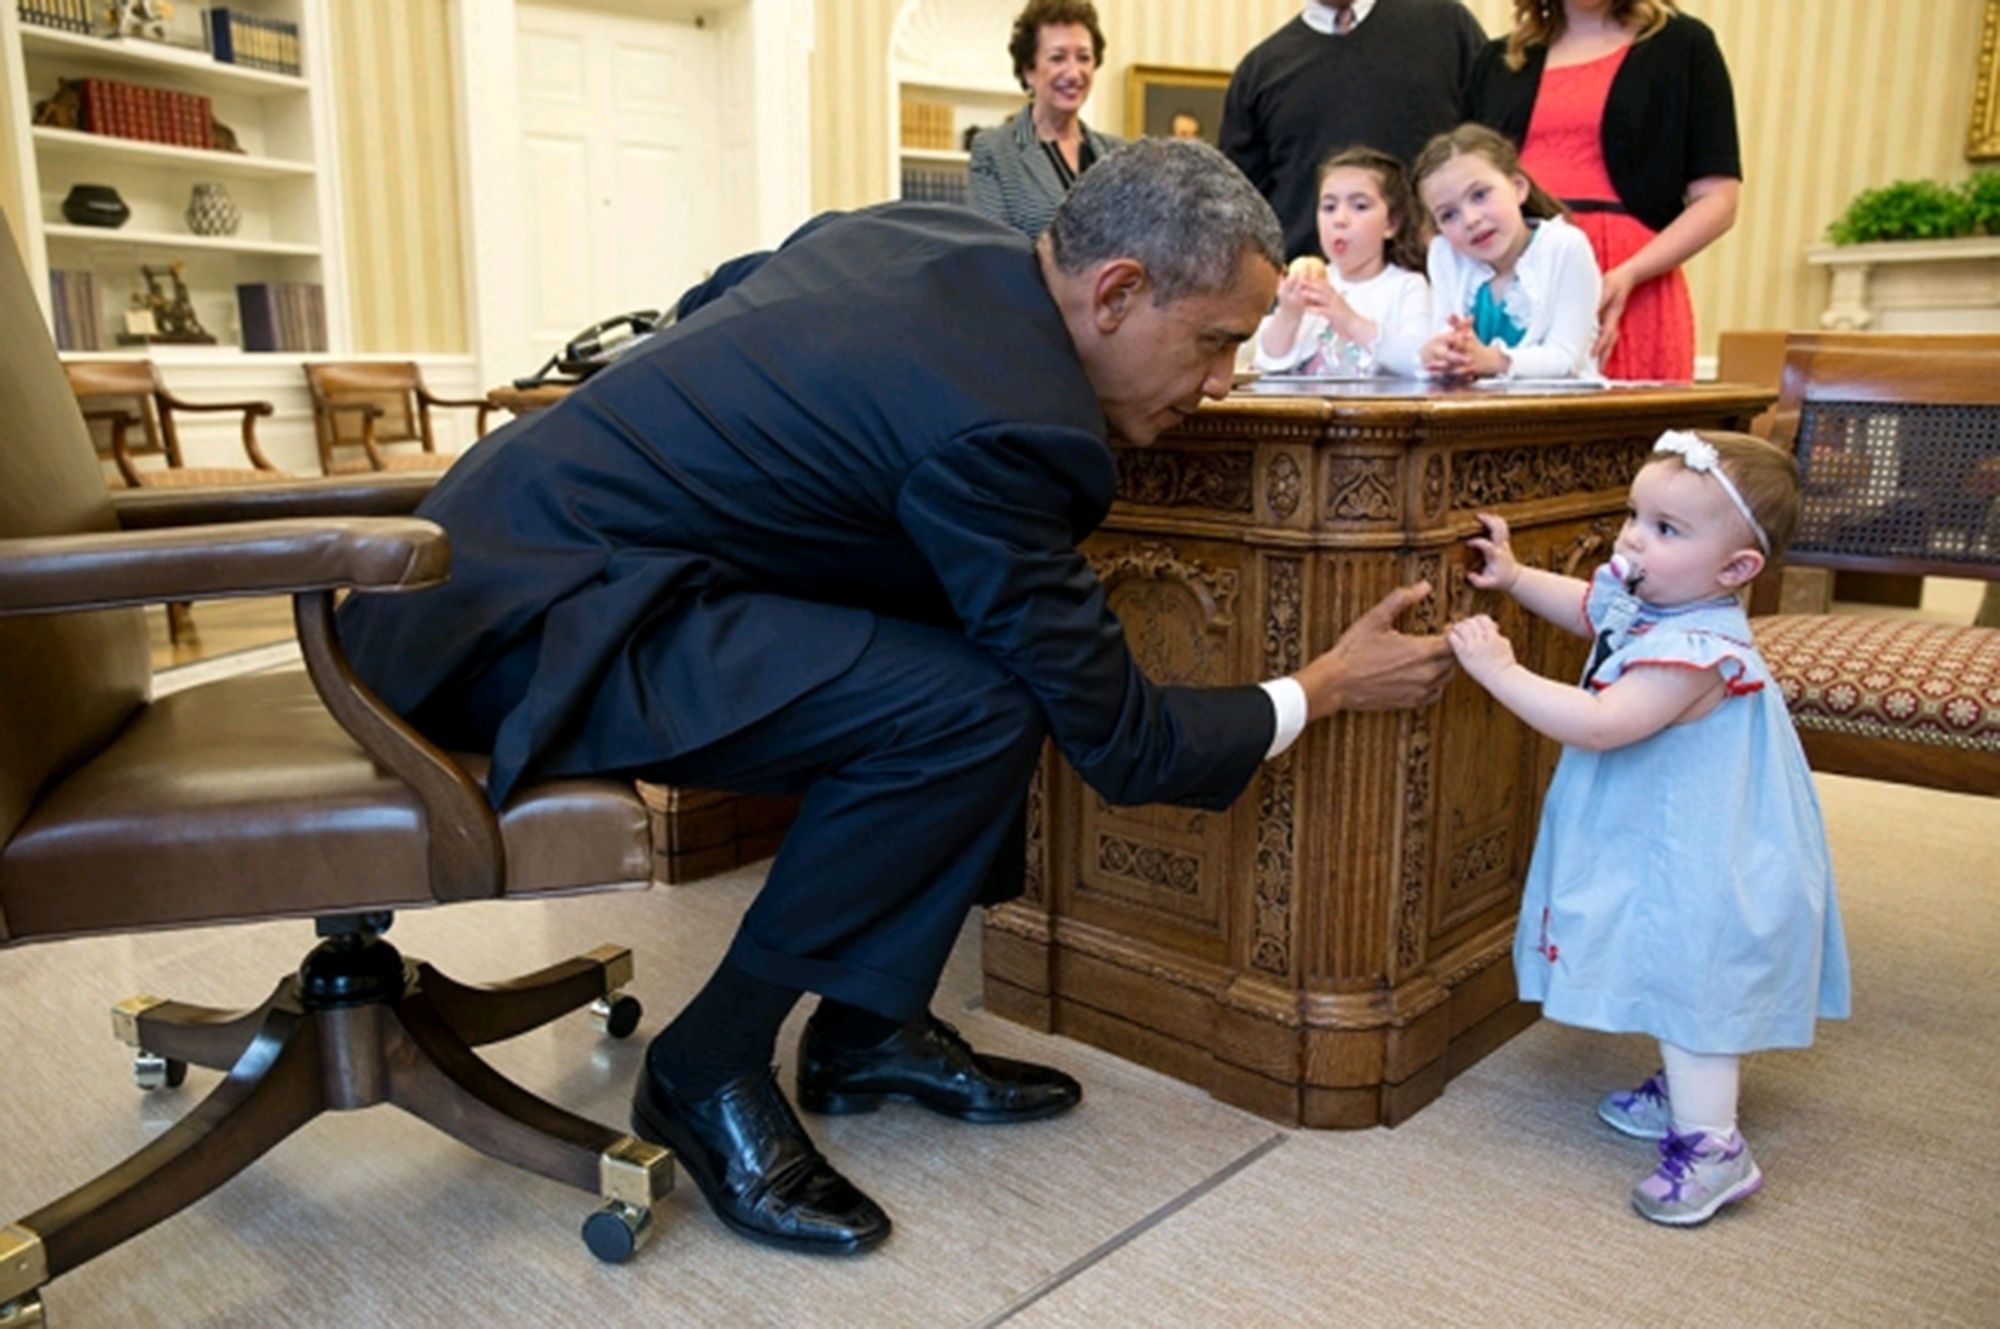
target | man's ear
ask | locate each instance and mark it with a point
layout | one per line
(1742, 568)
(1116, 291)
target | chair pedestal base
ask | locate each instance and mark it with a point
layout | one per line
(298, 1055)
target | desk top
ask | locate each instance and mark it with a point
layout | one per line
(1281, 401)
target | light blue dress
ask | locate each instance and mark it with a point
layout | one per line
(1680, 885)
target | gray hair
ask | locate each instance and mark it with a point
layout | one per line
(1176, 205)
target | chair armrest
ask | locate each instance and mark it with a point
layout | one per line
(485, 406)
(434, 400)
(103, 570)
(383, 494)
(247, 407)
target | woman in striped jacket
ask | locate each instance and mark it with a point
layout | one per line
(1022, 169)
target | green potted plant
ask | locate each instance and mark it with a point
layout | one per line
(1921, 210)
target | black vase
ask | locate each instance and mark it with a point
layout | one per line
(95, 205)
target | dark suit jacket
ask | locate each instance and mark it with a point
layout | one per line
(885, 417)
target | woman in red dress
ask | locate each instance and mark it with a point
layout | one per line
(1623, 110)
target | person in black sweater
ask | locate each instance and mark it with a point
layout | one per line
(1386, 74)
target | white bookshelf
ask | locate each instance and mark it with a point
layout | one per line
(283, 182)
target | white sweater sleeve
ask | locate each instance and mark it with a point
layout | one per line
(1406, 325)
(1568, 315)
(1310, 326)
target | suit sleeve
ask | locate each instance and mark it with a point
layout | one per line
(995, 515)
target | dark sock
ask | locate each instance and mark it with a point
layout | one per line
(852, 1026)
(729, 1029)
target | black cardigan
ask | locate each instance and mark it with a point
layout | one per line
(1670, 118)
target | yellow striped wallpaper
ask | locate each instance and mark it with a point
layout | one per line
(1833, 96)
(394, 108)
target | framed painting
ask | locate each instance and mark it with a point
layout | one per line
(1982, 140)
(1175, 101)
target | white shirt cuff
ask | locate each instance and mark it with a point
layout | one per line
(1288, 700)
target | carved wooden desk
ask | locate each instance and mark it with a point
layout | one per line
(1337, 946)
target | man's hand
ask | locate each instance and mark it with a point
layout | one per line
(1373, 667)
(1480, 647)
(1501, 569)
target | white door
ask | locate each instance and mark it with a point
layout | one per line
(619, 125)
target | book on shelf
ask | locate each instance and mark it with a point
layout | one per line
(927, 125)
(153, 115)
(934, 184)
(73, 309)
(253, 41)
(64, 15)
(282, 316)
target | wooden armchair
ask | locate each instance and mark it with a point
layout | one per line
(121, 396)
(1898, 443)
(292, 793)
(360, 408)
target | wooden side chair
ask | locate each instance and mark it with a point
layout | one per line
(361, 408)
(286, 794)
(1898, 444)
(121, 398)
(130, 414)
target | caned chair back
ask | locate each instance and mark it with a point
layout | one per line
(67, 681)
(1898, 443)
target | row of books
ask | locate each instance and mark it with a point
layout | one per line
(69, 15)
(254, 42)
(73, 302)
(927, 124)
(155, 115)
(934, 184)
(282, 315)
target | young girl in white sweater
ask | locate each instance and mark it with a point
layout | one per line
(1514, 286)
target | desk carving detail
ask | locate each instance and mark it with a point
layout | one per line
(1516, 475)
(1362, 489)
(1165, 478)
(1284, 485)
(1277, 782)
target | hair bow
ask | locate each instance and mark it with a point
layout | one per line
(1698, 454)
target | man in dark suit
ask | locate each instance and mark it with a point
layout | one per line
(821, 536)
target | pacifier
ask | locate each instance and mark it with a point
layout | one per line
(1628, 573)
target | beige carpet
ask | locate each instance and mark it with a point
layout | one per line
(1501, 1204)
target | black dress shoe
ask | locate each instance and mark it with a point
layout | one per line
(928, 1063)
(745, 1148)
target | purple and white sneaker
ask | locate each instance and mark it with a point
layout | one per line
(1698, 1174)
(1643, 1113)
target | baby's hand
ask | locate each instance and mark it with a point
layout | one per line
(1501, 569)
(1482, 652)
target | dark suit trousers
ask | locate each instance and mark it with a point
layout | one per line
(914, 766)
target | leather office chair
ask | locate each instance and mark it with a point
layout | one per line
(293, 793)
(118, 396)
(360, 408)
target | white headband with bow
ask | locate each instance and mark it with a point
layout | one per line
(1698, 454)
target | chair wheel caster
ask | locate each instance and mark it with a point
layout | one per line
(616, 1232)
(150, 1072)
(616, 1015)
(24, 1312)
